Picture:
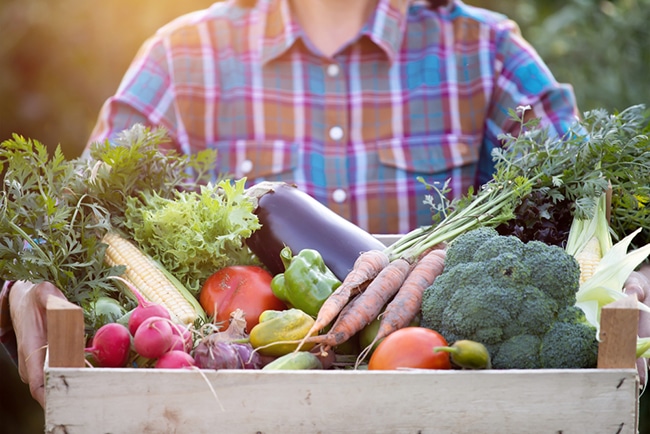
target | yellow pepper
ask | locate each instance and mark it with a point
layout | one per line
(279, 332)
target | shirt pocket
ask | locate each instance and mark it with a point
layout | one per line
(429, 155)
(258, 160)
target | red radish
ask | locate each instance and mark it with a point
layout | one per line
(154, 337)
(182, 339)
(178, 343)
(175, 360)
(145, 308)
(111, 345)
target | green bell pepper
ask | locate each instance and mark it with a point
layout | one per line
(306, 282)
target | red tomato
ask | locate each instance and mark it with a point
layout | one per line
(410, 347)
(244, 287)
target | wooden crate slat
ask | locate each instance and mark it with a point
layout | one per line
(530, 401)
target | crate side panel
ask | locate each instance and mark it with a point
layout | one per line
(128, 400)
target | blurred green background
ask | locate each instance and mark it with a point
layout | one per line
(60, 59)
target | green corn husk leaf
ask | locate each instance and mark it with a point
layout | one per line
(584, 229)
(607, 283)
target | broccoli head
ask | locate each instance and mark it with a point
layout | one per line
(506, 294)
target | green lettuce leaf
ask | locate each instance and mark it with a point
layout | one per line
(194, 234)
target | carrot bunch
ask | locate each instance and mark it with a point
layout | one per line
(376, 282)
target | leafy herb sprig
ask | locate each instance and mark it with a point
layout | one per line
(48, 234)
(603, 148)
(53, 211)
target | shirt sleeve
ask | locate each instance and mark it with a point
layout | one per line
(7, 335)
(145, 96)
(523, 79)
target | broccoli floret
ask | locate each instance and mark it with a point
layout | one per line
(466, 244)
(554, 271)
(518, 352)
(480, 319)
(506, 269)
(495, 246)
(500, 291)
(537, 310)
(569, 345)
(443, 290)
(572, 314)
(452, 305)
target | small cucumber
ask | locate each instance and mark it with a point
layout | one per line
(468, 354)
(295, 361)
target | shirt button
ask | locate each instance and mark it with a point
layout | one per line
(333, 70)
(246, 166)
(336, 133)
(339, 195)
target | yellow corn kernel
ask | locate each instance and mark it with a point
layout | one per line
(148, 278)
(588, 259)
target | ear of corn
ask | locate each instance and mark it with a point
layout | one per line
(589, 258)
(154, 282)
(604, 266)
(589, 240)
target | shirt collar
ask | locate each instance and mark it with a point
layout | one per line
(279, 30)
(387, 25)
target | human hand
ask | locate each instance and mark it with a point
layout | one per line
(27, 304)
(639, 284)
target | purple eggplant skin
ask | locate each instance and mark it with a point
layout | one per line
(290, 217)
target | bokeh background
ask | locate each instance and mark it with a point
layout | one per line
(60, 59)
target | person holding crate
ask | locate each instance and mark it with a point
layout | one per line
(349, 100)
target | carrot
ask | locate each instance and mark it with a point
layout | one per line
(368, 265)
(407, 302)
(364, 308)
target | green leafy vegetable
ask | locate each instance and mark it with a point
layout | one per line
(47, 232)
(53, 211)
(195, 234)
(575, 171)
(133, 165)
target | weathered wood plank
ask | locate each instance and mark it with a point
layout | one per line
(163, 401)
(619, 322)
(65, 333)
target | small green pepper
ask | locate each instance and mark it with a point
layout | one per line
(468, 354)
(279, 332)
(306, 282)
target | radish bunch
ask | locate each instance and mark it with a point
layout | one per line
(156, 339)
(151, 334)
(153, 339)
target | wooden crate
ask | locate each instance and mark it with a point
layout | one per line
(97, 400)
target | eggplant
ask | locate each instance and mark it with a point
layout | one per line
(290, 217)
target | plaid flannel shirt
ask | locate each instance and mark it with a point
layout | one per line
(419, 92)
